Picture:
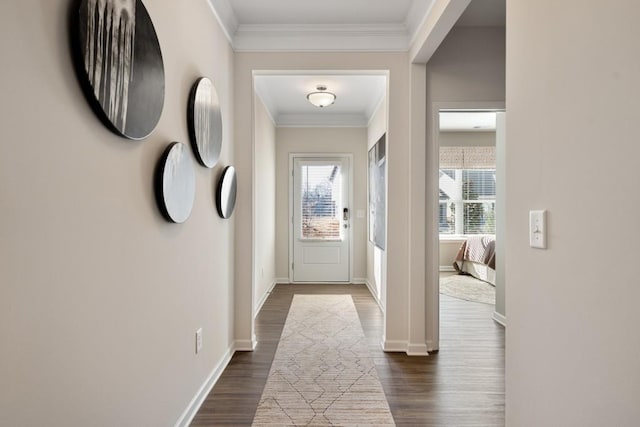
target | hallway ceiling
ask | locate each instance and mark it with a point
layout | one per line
(331, 25)
(285, 97)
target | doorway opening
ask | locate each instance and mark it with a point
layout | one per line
(470, 212)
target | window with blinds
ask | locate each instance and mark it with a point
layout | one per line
(321, 194)
(467, 190)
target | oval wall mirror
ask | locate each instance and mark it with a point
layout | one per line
(175, 183)
(226, 194)
(205, 122)
(119, 63)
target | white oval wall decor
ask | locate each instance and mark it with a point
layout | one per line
(205, 122)
(175, 184)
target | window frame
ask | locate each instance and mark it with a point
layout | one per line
(459, 230)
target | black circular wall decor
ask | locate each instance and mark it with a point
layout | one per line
(119, 64)
(175, 183)
(226, 193)
(205, 122)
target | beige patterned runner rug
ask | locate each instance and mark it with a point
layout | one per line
(322, 372)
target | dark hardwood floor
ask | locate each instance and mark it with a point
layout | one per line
(461, 385)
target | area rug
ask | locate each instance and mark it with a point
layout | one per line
(468, 288)
(322, 373)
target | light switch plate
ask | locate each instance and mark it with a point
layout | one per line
(538, 229)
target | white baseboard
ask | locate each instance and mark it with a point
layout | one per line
(246, 345)
(282, 280)
(431, 347)
(372, 291)
(394, 346)
(500, 318)
(447, 268)
(417, 350)
(389, 346)
(197, 401)
(359, 281)
(264, 297)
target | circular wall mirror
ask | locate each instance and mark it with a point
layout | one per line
(175, 184)
(226, 194)
(205, 122)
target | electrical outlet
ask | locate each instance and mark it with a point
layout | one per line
(198, 340)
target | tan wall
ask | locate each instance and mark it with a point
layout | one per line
(467, 139)
(100, 296)
(469, 65)
(265, 202)
(322, 140)
(572, 113)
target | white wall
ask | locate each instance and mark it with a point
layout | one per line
(100, 296)
(448, 251)
(572, 110)
(467, 71)
(322, 140)
(265, 203)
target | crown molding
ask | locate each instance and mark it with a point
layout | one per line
(321, 38)
(321, 120)
(226, 17)
(416, 18)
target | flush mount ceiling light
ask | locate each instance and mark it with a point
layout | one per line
(321, 98)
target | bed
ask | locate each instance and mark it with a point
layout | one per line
(477, 257)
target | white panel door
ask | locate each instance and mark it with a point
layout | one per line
(321, 215)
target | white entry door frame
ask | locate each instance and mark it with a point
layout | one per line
(297, 245)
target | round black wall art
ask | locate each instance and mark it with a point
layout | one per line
(119, 64)
(175, 183)
(205, 122)
(226, 194)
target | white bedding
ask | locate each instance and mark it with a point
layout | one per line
(480, 271)
(476, 257)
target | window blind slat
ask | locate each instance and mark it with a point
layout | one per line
(321, 194)
(467, 194)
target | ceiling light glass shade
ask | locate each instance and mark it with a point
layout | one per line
(321, 98)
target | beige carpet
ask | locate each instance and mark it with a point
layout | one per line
(322, 373)
(468, 288)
